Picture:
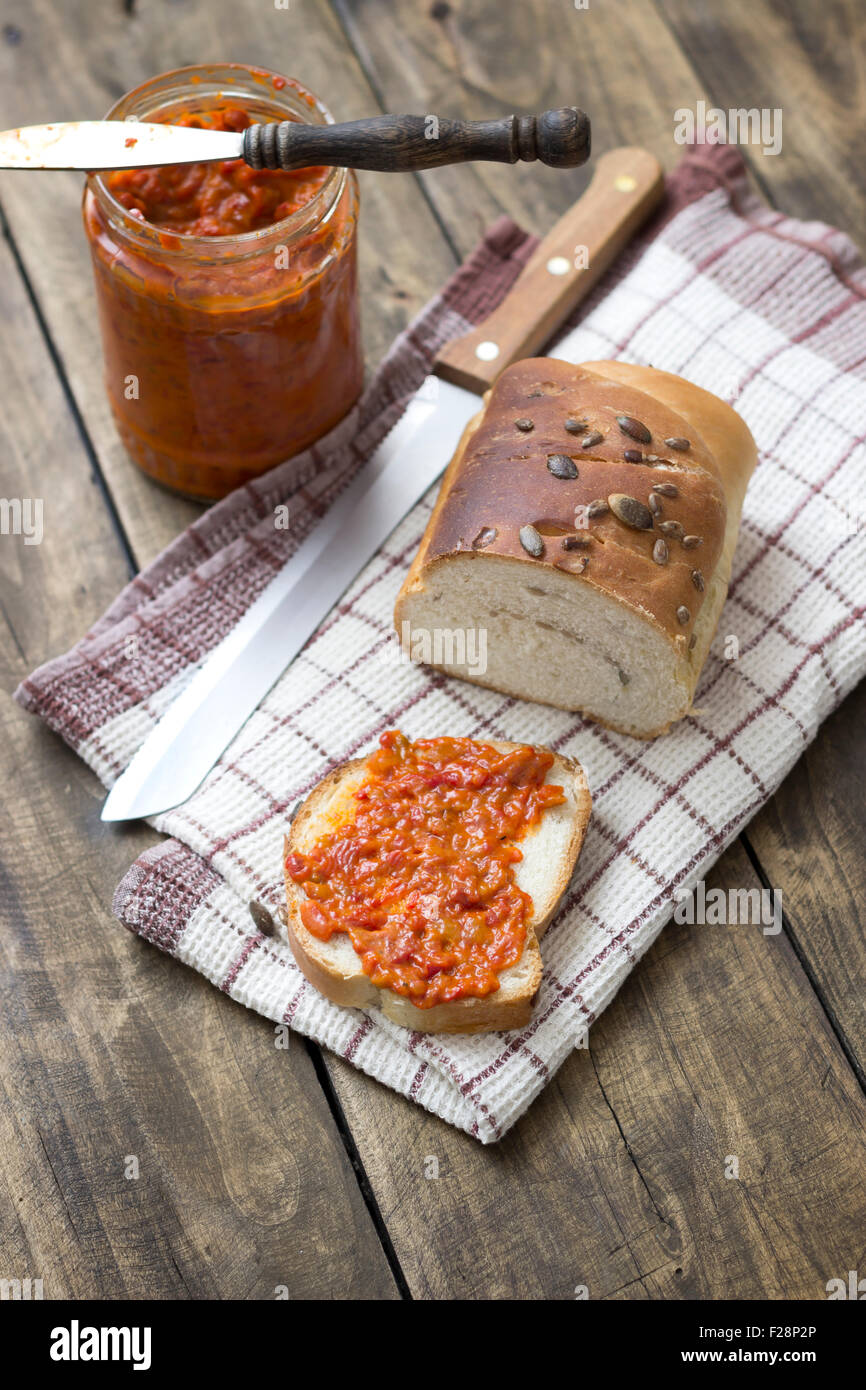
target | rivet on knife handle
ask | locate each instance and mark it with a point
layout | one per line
(560, 138)
(626, 185)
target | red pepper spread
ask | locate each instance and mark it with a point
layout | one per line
(421, 876)
(244, 356)
(219, 199)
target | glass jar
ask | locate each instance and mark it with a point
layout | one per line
(225, 355)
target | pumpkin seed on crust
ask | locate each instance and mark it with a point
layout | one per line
(630, 511)
(531, 541)
(561, 466)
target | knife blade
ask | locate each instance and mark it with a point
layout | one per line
(114, 145)
(187, 742)
(240, 671)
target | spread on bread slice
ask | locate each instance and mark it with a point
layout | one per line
(587, 525)
(420, 879)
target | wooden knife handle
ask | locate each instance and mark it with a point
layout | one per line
(560, 138)
(627, 184)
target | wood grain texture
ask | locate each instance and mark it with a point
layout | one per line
(108, 1049)
(807, 61)
(810, 843)
(615, 1179)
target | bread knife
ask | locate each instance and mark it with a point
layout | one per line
(197, 728)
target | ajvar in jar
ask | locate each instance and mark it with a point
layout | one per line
(227, 296)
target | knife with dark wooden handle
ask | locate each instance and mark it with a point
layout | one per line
(560, 138)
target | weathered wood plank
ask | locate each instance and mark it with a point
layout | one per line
(810, 843)
(809, 62)
(107, 1049)
(615, 1179)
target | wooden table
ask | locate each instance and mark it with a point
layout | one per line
(260, 1168)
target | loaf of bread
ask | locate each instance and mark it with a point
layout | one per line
(586, 526)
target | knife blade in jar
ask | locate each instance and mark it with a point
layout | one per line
(114, 145)
(193, 733)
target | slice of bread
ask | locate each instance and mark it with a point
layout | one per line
(550, 852)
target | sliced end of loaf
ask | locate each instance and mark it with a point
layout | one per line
(549, 638)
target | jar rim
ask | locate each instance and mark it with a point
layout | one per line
(302, 220)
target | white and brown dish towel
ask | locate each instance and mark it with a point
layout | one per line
(768, 313)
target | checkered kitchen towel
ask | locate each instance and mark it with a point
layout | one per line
(767, 312)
